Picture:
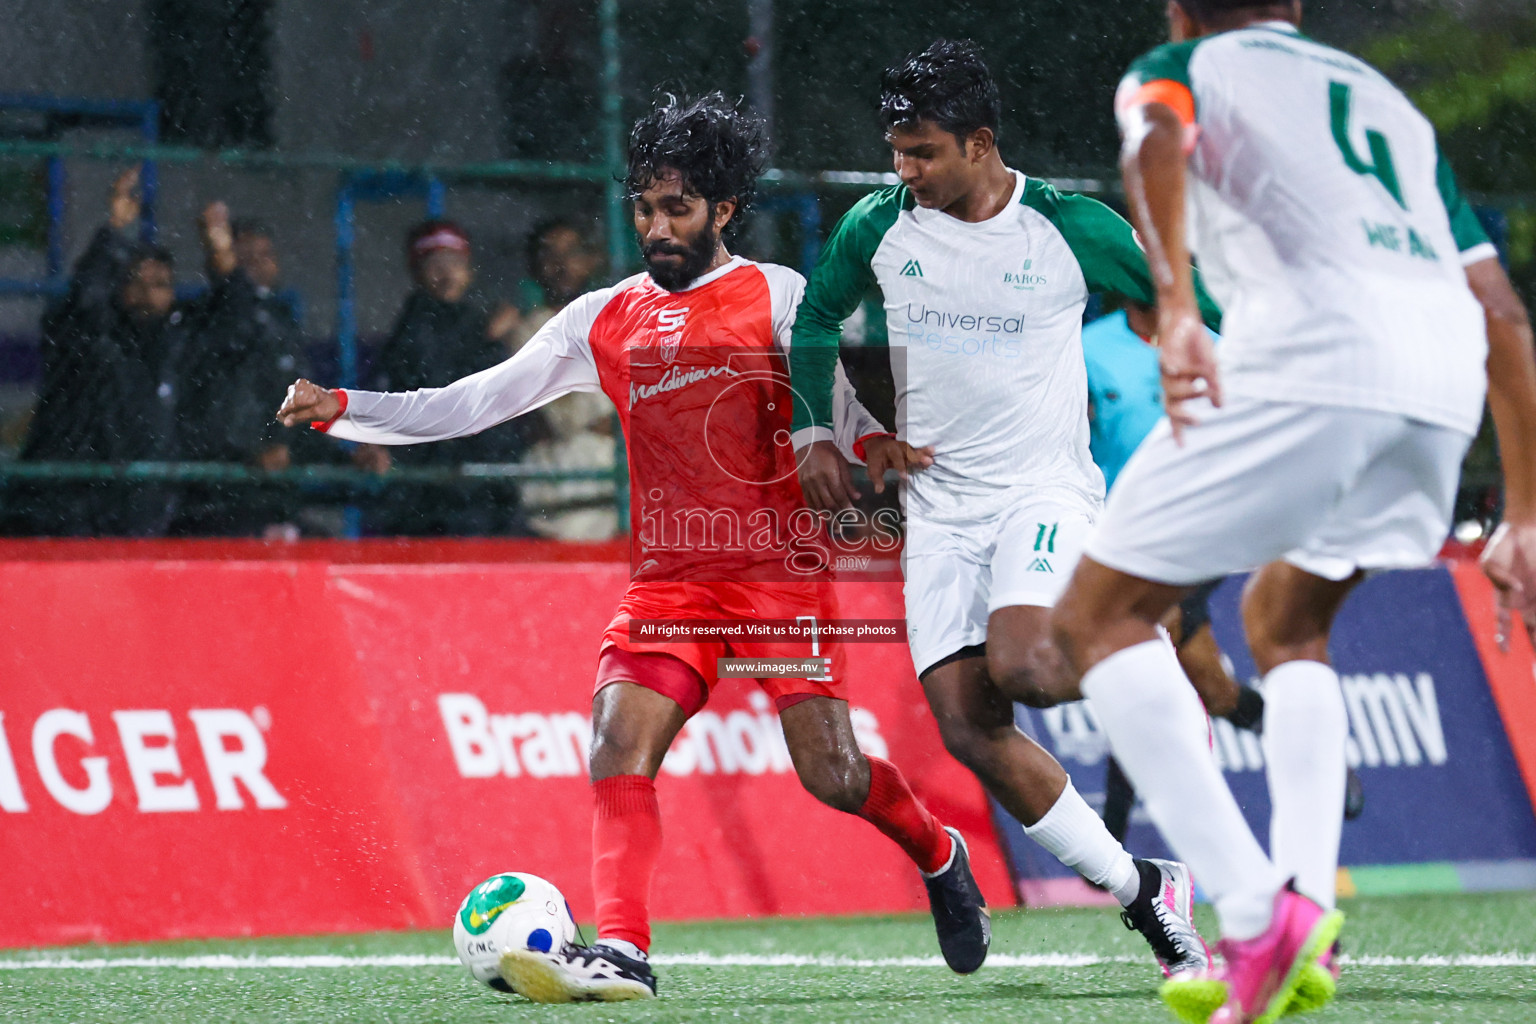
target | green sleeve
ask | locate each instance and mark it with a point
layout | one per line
(837, 286)
(1169, 61)
(1465, 227)
(1106, 247)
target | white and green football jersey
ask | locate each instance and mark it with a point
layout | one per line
(1328, 227)
(985, 329)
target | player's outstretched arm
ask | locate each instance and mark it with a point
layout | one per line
(555, 361)
(1153, 165)
(1510, 558)
(308, 402)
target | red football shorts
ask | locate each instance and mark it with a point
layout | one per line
(686, 670)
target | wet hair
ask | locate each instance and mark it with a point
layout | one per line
(242, 227)
(948, 84)
(1203, 9)
(717, 148)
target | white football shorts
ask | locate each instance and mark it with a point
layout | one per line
(1328, 489)
(958, 575)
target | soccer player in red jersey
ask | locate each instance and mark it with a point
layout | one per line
(692, 353)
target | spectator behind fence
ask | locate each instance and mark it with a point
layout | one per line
(110, 349)
(246, 347)
(580, 425)
(447, 329)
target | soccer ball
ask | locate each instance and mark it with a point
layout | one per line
(509, 911)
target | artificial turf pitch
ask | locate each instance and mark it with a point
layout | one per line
(1463, 959)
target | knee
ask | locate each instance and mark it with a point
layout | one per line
(1072, 629)
(614, 752)
(978, 747)
(1032, 678)
(840, 782)
(1274, 640)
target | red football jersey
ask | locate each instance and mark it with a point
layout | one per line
(701, 383)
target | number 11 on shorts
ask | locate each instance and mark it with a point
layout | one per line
(1046, 541)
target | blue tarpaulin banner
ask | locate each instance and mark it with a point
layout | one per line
(1442, 788)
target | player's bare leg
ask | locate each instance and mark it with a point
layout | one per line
(975, 718)
(1022, 656)
(1288, 614)
(1200, 659)
(826, 755)
(632, 728)
(1106, 623)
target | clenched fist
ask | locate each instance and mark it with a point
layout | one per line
(308, 402)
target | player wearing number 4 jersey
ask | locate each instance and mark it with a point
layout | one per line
(691, 354)
(1325, 443)
(985, 274)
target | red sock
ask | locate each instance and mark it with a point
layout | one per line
(626, 842)
(892, 809)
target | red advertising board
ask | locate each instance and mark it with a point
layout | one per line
(1509, 663)
(188, 752)
(196, 745)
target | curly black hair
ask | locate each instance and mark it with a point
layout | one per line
(1208, 8)
(717, 148)
(948, 84)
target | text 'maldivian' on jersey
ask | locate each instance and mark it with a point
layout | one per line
(699, 381)
(1327, 225)
(984, 322)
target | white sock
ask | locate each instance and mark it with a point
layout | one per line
(629, 949)
(1077, 837)
(1305, 729)
(1159, 735)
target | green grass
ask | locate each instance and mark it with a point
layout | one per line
(1110, 992)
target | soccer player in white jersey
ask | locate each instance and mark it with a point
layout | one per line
(1326, 442)
(985, 274)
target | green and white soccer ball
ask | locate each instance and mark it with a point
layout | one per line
(509, 911)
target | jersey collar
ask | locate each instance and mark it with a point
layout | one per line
(939, 216)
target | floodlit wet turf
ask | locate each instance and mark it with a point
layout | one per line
(1065, 966)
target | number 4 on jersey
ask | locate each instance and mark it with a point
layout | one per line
(1381, 166)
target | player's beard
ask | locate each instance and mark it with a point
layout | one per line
(696, 258)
